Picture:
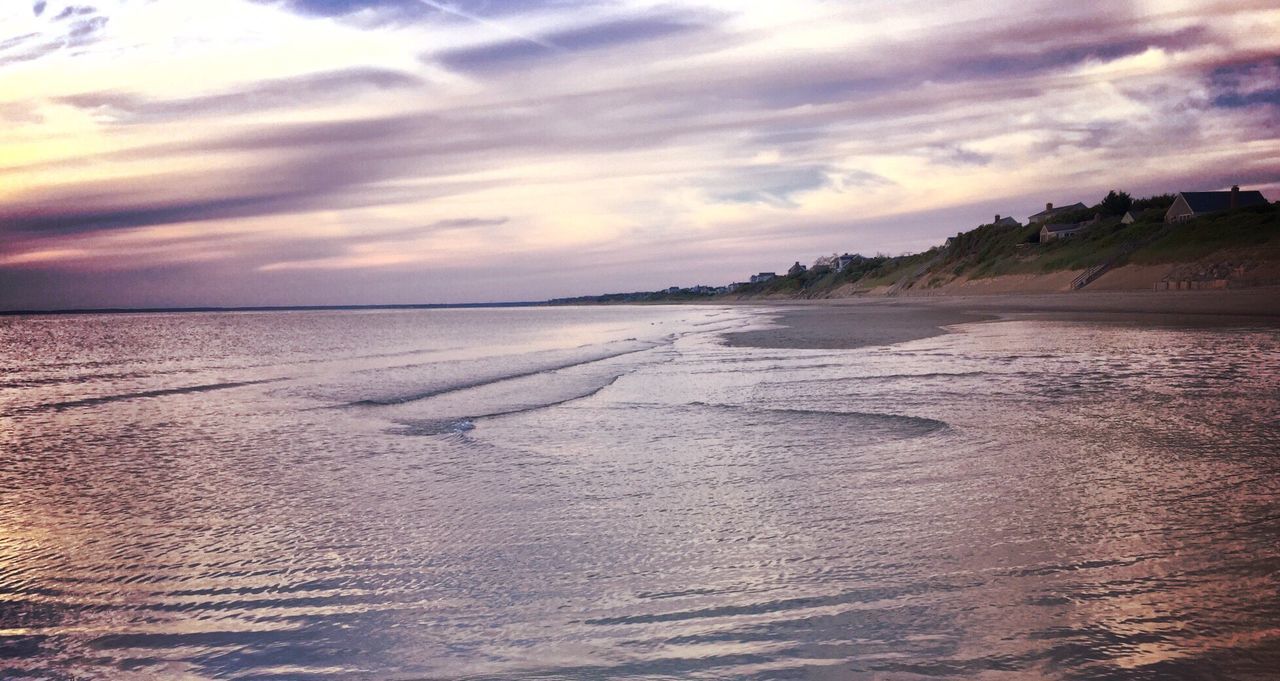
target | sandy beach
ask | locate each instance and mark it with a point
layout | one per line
(861, 322)
(826, 325)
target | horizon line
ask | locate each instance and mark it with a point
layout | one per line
(267, 308)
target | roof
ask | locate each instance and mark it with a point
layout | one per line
(1054, 211)
(1065, 227)
(1211, 202)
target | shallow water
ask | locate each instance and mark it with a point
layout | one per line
(612, 493)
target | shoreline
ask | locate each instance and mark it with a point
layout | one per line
(847, 323)
(843, 327)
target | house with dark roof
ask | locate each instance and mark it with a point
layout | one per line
(846, 260)
(797, 270)
(1191, 205)
(1060, 230)
(1057, 231)
(763, 277)
(825, 261)
(1006, 222)
(1050, 212)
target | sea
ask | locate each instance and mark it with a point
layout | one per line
(614, 492)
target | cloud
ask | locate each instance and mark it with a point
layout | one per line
(339, 8)
(1246, 84)
(626, 130)
(386, 9)
(55, 36)
(598, 36)
(74, 11)
(46, 218)
(298, 91)
(38, 7)
(84, 31)
(375, 14)
(959, 156)
(777, 184)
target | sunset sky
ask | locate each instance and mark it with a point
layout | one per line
(242, 152)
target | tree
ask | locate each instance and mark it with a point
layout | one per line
(1116, 202)
(1161, 201)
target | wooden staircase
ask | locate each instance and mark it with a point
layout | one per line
(1088, 276)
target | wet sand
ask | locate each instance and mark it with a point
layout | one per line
(830, 326)
(861, 322)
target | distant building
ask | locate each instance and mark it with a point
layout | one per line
(763, 277)
(796, 270)
(1006, 222)
(1050, 212)
(1191, 205)
(1130, 217)
(846, 260)
(1061, 230)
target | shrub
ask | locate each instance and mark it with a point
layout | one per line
(1116, 202)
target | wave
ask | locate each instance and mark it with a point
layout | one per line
(921, 424)
(164, 392)
(491, 380)
(895, 377)
(461, 426)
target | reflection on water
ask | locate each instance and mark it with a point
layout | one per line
(591, 493)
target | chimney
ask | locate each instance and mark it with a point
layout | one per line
(1048, 206)
(1235, 196)
(997, 218)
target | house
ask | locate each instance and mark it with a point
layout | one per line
(1131, 216)
(1191, 205)
(1061, 230)
(1050, 212)
(846, 260)
(825, 261)
(763, 277)
(796, 270)
(1006, 222)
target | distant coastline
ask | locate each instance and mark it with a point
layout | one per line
(264, 308)
(1187, 241)
(860, 322)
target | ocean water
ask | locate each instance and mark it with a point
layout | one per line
(587, 493)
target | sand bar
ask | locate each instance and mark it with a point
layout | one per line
(861, 322)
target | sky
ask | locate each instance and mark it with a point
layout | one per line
(162, 153)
